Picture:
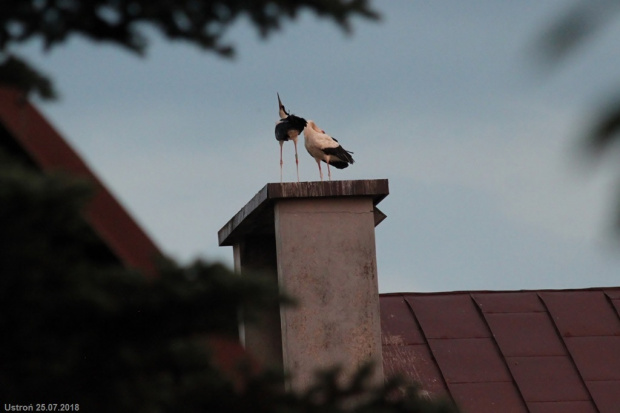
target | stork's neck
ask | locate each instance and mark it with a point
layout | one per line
(312, 125)
(283, 113)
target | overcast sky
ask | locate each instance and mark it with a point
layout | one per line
(443, 98)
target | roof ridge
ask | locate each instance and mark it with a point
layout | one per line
(458, 292)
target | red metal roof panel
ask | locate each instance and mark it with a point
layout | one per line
(598, 358)
(562, 407)
(509, 302)
(606, 395)
(582, 313)
(492, 397)
(525, 334)
(547, 379)
(416, 363)
(448, 316)
(469, 360)
(557, 351)
(398, 325)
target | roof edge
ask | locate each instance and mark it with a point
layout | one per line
(51, 152)
(458, 292)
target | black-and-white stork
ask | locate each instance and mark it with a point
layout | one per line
(324, 148)
(288, 127)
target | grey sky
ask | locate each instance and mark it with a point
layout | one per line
(442, 98)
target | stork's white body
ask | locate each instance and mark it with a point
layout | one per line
(315, 140)
(323, 147)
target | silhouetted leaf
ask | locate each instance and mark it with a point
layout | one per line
(577, 26)
(566, 35)
(606, 129)
(15, 72)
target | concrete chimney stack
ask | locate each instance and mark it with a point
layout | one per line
(317, 241)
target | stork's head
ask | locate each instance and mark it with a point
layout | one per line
(283, 112)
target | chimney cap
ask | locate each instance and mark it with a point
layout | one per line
(250, 218)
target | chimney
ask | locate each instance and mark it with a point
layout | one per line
(317, 241)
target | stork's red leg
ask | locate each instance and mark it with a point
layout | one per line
(281, 143)
(320, 171)
(296, 159)
(329, 174)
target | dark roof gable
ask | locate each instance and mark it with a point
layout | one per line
(24, 131)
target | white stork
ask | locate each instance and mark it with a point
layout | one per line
(324, 148)
(288, 127)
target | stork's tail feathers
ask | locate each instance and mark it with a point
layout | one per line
(343, 156)
(338, 164)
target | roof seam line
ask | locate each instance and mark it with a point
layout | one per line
(459, 338)
(611, 304)
(603, 380)
(568, 353)
(499, 349)
(538, 356)
(430, 349)
(478, 382)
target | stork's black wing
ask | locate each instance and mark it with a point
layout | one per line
(282, 128)
(297, 123)
(344, 157)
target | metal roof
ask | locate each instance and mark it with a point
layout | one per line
(45, 148)
(519, 351)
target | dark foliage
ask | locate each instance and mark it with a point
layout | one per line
(202, 22)
(579, 25)
(17, 73)
(566, 35)
(78, 328)
(126, 22)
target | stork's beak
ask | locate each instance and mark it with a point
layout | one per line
(283, 112)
